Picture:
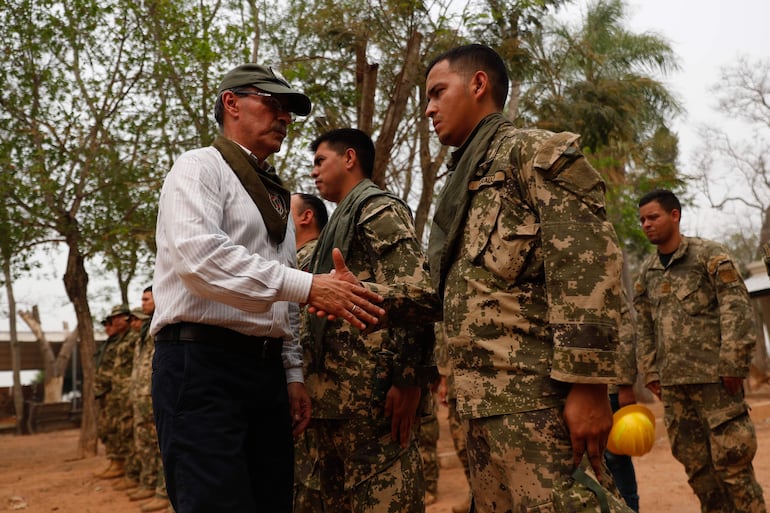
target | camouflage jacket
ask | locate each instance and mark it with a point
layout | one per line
(304, 253)
(695, 322)
(532, 288)
(113, 375)
(626, 363)
(356, 369)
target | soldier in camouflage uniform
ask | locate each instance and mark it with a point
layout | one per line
(111, 389)
(310, 216)
(145, 436)
(695, 337)
(365, 387)
(529, 269)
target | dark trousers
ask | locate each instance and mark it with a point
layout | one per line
(224, 428)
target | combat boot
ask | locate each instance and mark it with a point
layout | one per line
(141, 494)
(117, 470)
(158, 503)
(125, 485)
(110, 468)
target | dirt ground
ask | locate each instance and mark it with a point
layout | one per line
(39, 474)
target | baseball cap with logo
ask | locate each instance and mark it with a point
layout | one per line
(267, 80)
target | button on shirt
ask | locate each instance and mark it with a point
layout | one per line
(215, 263)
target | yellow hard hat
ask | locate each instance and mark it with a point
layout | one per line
(633, 431)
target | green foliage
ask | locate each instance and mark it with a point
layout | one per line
(99, 98)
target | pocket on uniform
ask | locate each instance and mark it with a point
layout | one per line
(693, 295)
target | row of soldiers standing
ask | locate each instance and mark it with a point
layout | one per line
(125, 422)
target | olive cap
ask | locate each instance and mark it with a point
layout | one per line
(267, 80)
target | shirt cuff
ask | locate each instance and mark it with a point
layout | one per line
(296, 286)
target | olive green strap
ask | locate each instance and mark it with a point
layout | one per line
(601, 494)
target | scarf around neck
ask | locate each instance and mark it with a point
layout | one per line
(338, 233)
(261, 183)
(455, 198)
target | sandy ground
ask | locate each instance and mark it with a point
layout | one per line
(38, 473)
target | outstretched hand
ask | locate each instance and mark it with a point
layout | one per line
(340, 294)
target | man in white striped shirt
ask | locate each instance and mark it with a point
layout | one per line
(227, 385)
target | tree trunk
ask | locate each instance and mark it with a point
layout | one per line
(366, 86)
(76, 285)
(18, 398)
(429, 168)
(406, 81)
(52, 375)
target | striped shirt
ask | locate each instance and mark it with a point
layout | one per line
(215, 263)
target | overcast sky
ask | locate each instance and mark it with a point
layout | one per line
(706, 35)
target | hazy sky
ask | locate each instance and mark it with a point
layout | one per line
(706, 35)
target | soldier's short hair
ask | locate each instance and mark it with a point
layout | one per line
(667, 200)
(314, 203)
(343, 138)
(475, 57)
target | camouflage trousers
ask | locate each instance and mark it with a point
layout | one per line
(361, 470)
(115, 425)
(307, 481)
(146, 443)
(712, 435)
(428, 443)
(457, 430)
(522, 462)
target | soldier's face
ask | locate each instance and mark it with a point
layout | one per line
(148, 303)
(451, 105)
(658, 225)
(109, 329)
(331, 173)
(120, 323)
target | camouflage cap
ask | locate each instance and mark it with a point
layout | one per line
(139, 314)
(265, 79)
(117, 310)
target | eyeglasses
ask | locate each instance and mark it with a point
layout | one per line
(271, 101)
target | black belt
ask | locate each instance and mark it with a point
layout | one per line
(262, 347)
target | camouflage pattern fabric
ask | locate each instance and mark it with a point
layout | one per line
(145, 437)
(531, 303)
(304, 253)
(428, 443)
(307, 481)
(695, 325)
(358, 369)
(626, 362)
(361, 470)
(532, 298)
(456, 427)
(523, 463)
(457, 430)
(713, 437)
(694, 318)
(115, 422)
